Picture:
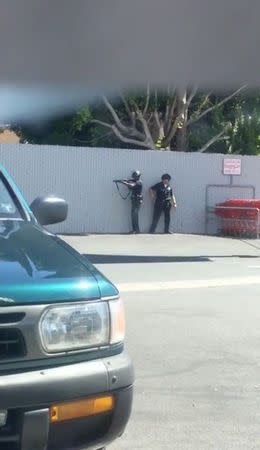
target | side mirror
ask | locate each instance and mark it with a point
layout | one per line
(49, 210)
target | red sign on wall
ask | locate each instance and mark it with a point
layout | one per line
(232, 166)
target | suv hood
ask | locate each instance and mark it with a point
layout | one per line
(37, 267)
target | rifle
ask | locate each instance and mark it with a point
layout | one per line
(122, 182)
(130, 180)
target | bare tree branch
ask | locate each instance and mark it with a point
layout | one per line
(219, 137)
(147, 99)
(156, 114)
(167, 110)
(150, 118)
(147, 131)
(156, 99)
(118, 122)
(168, 103)
(157, 119)
(103, 124)
(222, 102)
(174, 100)
(134, 119)
(192, 95)
(128, 110)
(145, 126)
(126, 130)
(120, 136)
(204, 103)
(172, 131)
(169, 119)
(181, 101)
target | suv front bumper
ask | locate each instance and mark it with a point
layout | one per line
(27, 397)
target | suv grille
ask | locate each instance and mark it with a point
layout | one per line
(11, 343)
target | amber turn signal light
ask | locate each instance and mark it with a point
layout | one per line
(81, 408)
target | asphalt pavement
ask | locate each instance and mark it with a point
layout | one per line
(193, 314)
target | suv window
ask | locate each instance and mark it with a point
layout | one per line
(9, 208)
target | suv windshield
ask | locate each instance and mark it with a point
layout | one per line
(9, 208)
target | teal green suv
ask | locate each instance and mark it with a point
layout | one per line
(65, 380)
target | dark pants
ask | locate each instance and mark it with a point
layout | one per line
(158, 209)
(134, 214)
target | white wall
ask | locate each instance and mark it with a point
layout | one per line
(83, 176)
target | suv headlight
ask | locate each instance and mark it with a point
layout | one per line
(82, 325)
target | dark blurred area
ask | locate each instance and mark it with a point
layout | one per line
(108, 43)
(59, 58)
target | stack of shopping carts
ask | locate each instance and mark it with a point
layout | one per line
(239, 217)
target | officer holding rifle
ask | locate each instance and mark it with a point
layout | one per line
(135, 186)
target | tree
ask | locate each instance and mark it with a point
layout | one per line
(188, 120)
(160, 119)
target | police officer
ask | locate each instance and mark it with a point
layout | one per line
(164, 201)
(135, 185)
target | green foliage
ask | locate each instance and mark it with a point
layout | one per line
(244, 136)
(80, 120)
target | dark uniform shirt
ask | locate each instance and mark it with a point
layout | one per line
(163, 193)
(137, 189)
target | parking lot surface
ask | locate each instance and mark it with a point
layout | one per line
(193, 314)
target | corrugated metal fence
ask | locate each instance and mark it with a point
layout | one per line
(83, 176)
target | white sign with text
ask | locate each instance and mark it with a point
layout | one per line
(232, 166)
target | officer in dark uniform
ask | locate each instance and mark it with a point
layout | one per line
(135, 186)
(164, 201)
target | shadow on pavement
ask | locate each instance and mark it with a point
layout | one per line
(127, 259)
